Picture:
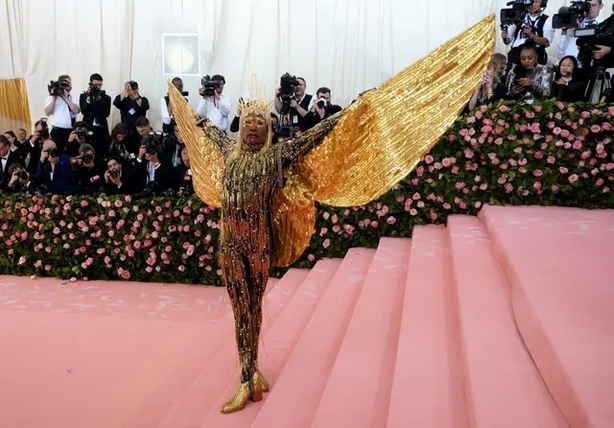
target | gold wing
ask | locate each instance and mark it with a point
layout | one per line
(208, 146)
(380, 138)
(387, 131)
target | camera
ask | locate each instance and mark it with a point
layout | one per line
(133, 85)
(589, 38)
(322, 102)
(515, 14)
(114, 173)
(96, 93)
(153, 143)
(44, 133)
(53, 152)
(209, 85)
(23, 175)
(287, 85)
(87, 158)
(568, 16)
(57, 88)
(83, 134)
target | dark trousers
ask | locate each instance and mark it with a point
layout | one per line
(60, 137)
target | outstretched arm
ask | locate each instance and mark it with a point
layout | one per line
(293, 149)
(217, 136)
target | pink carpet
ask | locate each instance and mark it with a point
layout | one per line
(501, 320)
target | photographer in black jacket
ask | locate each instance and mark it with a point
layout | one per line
(95, 106)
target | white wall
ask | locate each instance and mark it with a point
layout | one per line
(347, 45)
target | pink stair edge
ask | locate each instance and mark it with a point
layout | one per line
(358, 390)
(504, 388)
(563, 300)
(428, 386)
(297, 391)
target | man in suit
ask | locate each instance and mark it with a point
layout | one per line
(95, 105)
(54, 170)
(7, 158)
(118, 180)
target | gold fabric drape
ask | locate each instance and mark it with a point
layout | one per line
(14, 105)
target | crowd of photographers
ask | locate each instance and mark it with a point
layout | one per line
(66, 156)
(528, 75)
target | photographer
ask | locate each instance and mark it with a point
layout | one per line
(117, 147)
(96, 107)
(62, 110)
(535, 28)
(118, 180)
(165, 108)
(131, 105)
(529, 81)
(88, 171)
(291, 101)
(153, 175)
(186, 185)
(55, 170)
(320, 109)
(7, 158)
(214, 106)
(30, 151)
(20, 181)
(81, 135)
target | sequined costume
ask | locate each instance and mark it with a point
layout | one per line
(349, 159)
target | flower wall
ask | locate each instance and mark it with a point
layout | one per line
(550, 154)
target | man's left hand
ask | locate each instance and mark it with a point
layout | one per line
(601, 51)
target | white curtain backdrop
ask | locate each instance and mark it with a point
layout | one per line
(346, 45)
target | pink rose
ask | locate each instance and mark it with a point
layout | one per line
(573, 178)
(118, 204)
(537, 173)
(326, 243)
(503, 108)
(391, 220)
(508, 188)
(550, 159)
(311, 257)
(429, 159)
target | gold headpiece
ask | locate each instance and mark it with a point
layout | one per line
(255, 101)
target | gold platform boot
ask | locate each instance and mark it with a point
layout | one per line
(247, 391)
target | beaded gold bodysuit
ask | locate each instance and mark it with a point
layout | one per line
(348, 159)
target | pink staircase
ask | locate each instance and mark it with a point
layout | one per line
(501, 320)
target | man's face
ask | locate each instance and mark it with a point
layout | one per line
(535, 7)
(114, 165)
(4, 149)
(325, 95)
(143, 130)
(178, 84)
(254, 129)
(21, 135)
(48, 144)
(299, 89)
(596, 7)
(185, 156)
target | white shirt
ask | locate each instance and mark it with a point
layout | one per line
(4, 161)
(216, 111)
(62, 114)
(567, 43)
(548, 30)
(166, 117)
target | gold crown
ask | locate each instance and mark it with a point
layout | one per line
(256, 101)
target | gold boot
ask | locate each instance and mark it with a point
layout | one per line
(238, 401)
(258, 379)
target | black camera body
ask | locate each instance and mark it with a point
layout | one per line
(515, 14)
(84, 134)
(23, 176)
(114, 173)
(209, 86)
(87, 158)
(133, 85)
(153, 143)
(57, 88)
(44, 134)
(95, 92)
(568, 16)
(589, 38)
(53, 152)
(287, 85)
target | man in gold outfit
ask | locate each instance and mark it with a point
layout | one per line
(266, 191)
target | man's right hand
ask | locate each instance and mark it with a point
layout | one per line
(14, 178)
(35, 136)
(44, 155)
(504, 34)
(142, 151)
(107, 176)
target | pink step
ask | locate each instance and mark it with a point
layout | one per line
(358, 389)
(428, 386)
(189, 405)
(296, 395)
(559, 261)
(503, 386)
